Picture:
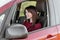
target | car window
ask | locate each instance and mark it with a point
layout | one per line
(19, 18)
(1, 18)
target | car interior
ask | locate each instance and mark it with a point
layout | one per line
(39, 4)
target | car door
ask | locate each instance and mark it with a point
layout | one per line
(43, 34)
(46, 34)
(50, 33)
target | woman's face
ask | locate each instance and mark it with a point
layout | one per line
(28, 14)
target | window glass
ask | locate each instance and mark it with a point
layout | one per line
(1, 18)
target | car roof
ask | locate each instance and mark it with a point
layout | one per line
(8, 5)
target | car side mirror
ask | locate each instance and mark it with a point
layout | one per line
(16, 31)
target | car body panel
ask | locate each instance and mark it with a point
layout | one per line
(51, 33)
(5, 7)
(8, 5)
(43, 33)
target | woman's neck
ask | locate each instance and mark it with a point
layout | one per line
(31, 20)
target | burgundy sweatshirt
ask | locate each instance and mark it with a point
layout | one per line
(30, 27)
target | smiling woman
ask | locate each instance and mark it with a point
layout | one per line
(26, 4)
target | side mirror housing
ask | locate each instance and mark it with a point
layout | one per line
(16, 31)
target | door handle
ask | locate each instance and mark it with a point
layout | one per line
(49, 36)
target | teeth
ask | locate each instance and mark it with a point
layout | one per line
(3, 2)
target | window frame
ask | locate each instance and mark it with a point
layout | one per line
(47, 17)
(47, 5)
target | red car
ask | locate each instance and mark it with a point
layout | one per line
(12, 16)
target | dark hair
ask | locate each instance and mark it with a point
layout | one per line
(33, 11)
